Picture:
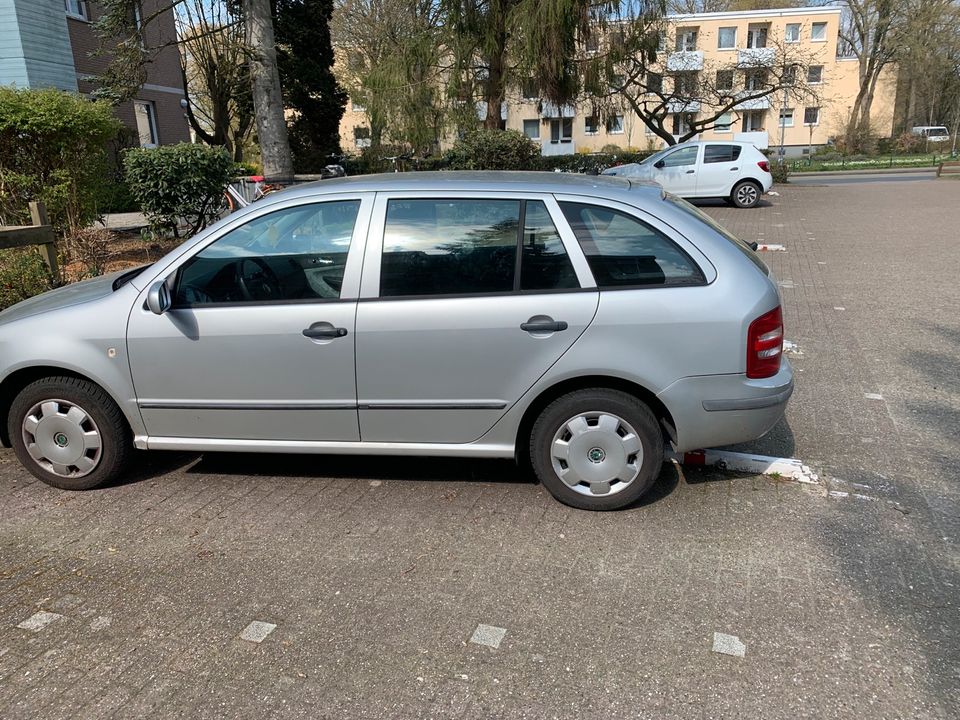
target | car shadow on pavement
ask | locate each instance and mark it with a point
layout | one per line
(348, 467)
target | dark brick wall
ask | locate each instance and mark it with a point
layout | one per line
(163, 71)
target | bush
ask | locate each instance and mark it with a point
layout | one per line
(177, 182)
(590, 164)
(52, 149)
(23, 274)
(780, 170)
(493, 150)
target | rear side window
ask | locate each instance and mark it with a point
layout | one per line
(623, 251)
(721, 153)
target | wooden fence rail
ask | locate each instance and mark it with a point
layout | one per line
(40, 233)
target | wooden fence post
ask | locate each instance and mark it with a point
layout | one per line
(38, 211)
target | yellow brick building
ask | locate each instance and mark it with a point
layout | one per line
(704, 42)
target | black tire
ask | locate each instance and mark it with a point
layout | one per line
(588, 401)
(741, 196)
(115, 449)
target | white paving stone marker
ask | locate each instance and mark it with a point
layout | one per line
(728, 645)
(746, 463)
(873, 396)
(38, 621)
(771, 247)
(257, 631)
(488, 635)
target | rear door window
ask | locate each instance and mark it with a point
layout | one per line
(623, 251)
(721, 153)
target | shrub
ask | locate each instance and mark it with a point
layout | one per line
(23, 274)
(780, 170)
(52, 149)
(177, 182)
(493, 150)
(90, 248)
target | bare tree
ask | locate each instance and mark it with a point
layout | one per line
(869, 32)
(213, 58)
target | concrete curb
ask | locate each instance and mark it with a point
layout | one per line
(864, 171)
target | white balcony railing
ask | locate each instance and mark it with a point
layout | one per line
(550, 110)
(754, 104)
(756, 57)
(557, 148)
(685, 60)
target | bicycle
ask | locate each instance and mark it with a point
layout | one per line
(245, 190)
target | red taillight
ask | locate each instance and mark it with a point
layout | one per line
(764, 165)
(765, 345)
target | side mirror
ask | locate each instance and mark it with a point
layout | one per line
(659, 164)
(158, 297)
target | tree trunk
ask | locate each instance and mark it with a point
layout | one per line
(267, 96)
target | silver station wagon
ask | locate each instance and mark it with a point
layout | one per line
(578, 324)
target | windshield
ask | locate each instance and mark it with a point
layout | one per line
(657, 155)
(720, 229)
(938, 132)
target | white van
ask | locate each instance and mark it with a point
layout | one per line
(933, 133)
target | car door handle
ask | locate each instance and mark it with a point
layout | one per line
(546, 325)
(324, 331)
(732, 169)
(690, 172)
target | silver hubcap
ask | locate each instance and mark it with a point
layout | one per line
(596, 453)
(747, 195)
(62, 438)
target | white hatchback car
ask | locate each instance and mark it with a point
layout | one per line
(735, 171)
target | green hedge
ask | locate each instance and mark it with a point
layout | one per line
(53, 149)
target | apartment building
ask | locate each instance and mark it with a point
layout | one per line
(50, 43)
(734, 46)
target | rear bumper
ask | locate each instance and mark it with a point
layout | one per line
(712, 410)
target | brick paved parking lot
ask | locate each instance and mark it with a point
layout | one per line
(452, 589)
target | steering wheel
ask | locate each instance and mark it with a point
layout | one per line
(257, 280)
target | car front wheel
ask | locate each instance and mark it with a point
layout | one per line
(746, 194)
(597, 449)
(69, 433)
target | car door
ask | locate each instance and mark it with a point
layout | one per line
(719, 170)
(259, 341)
(677, 171)
(466, 301)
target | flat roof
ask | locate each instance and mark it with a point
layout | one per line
(755, 14)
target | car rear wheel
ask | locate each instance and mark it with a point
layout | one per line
(596, 449)
(69, 433)
(746, 194)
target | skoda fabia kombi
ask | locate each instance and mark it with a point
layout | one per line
(578, 324)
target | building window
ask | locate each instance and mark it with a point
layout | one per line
(753, 120)
(686, 39)
(615, 125)
(361, 136)
(723, 123)
(530, 89)
(727, 38)
(815, 74)
(724, 80)
(790, 75)
(531, 128)
(818, 32)
(617, 83)
(654, 82)
(76, 8)
(792, 34)
(811, 116)
(786, 117)
(592, 42)
(685, 84)
(146, 115)
(757, 36)
(681, 123)
(756, 80)
(590, 125)
(561, 130)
